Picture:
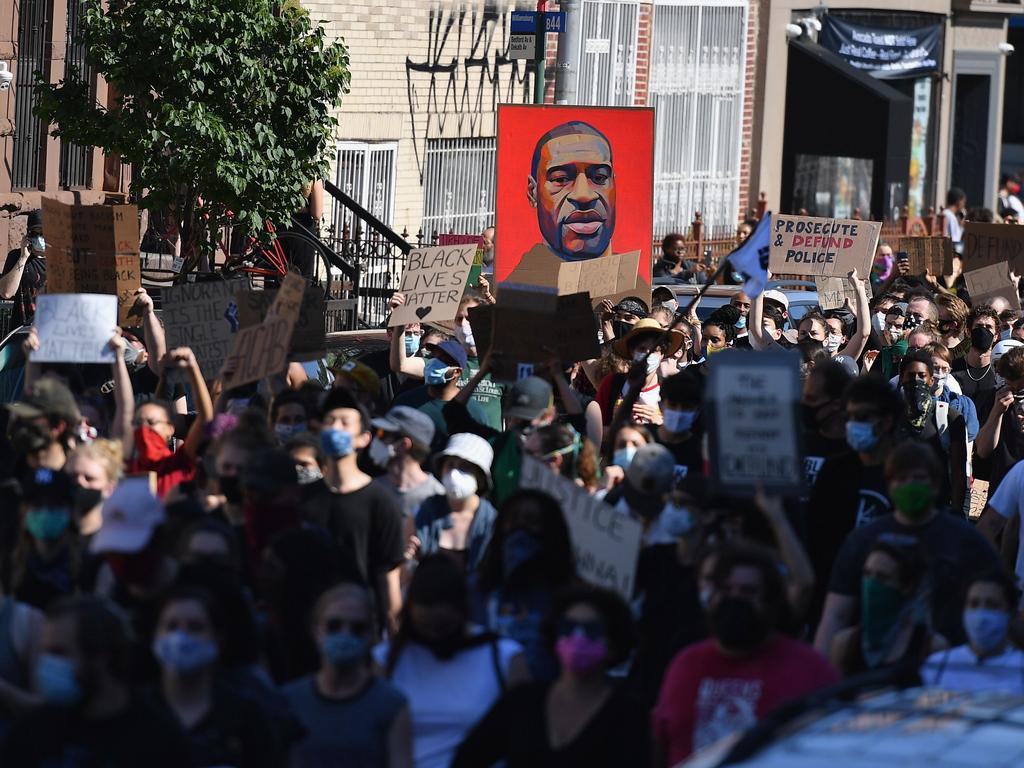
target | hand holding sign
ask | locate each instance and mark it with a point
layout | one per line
(432, 284)
(75, 328)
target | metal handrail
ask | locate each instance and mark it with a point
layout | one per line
(372, 221)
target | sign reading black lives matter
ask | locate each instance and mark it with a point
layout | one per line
(753, 404)
(433, 282)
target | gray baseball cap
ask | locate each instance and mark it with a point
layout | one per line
(528, 398)
(408, 422)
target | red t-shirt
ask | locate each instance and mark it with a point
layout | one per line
(153, 455)
(707, 695)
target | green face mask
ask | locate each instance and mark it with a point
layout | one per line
(880, 606)
(914, 499)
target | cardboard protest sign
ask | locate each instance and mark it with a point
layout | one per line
(606, 542)
(308, 336)
(932, 254)
(75, 328)
(806, 245)
(93, 249)
(575, 187)
(753, 406)
(433, 283)
(203, 316)
(523, 323)
(262, 350)
(478, 257)
(986, 244)
(833, 292)
(989, 282)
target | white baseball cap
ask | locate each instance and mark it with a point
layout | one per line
(1004, 346)
(130, 516)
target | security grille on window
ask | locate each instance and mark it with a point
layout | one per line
(33, 32)
(75, 161)
(697, 75)
(458, 186)
(607, 75)
(366, 173)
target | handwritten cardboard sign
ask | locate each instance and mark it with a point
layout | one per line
(989, 282)
(753, 405)
(262, 350)
(606, 542)
(93, 249)
(75, 328)
(986, 244)
(203, 316)
(524, 322)
(806, 245)
(934, 254)
(433, 282)
(308, 337)
(834, 292)
(478, 256)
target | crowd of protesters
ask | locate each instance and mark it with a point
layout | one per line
(346, 571)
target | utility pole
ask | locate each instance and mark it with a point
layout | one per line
(540, 53)
(568, 67)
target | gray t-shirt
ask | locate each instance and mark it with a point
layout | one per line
(348, 733)
(411, 499)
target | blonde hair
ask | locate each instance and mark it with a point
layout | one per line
(107, 453)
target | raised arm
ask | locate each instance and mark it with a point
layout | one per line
(759, 342)
(10, 281)
(410, 366)
(124, 396)
(991, 430)
(152, 329)
(800, 572)
(862, 313)
(28, 346)
(183, 357)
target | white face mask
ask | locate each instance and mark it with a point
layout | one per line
(308, 475)
(676, 521)
(459, 485)
(832, 343)
(653, 360)
(464, 333)
(878, 321)
(381, 453)
(671, 304)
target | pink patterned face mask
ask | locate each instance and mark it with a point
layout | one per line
(578, 653)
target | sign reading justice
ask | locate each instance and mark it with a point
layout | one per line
(805, 245)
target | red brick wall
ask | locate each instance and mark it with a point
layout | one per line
(748, 196)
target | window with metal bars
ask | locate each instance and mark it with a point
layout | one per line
(366, 173)
(458, 186)
(29, 134)
(75, 161)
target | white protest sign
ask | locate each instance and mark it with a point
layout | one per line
(805, 245)
(75, 327)
(433, 282)
(753, 408)
(606, 542)
(833, 292)
(203, 316)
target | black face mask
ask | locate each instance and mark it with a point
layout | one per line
(982, 338)
(810, 414)
(86, 499)
(621, 328)
(737, 624)
(231, 488)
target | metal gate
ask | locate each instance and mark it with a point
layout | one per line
(33, 33)
(458, 186)
(607, 73)
(75, 161)
(366, 173)
(698, 60)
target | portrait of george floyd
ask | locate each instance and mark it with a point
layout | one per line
(574, 199)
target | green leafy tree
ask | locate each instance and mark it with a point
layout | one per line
(224, 107)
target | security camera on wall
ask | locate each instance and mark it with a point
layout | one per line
(6, 76)
(1006, 48)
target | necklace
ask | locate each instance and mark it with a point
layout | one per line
(968, 367)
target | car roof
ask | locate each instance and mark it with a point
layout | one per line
(912, 727)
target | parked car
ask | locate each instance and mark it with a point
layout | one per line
(887, 729)
(801, 294)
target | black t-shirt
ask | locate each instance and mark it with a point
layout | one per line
(817, 450)
(688, 453)
(516, 731)
(33, 279)
(955, 552)
(141, 734)
(1008, 452)
(979, 384)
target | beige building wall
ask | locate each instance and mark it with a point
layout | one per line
(423, 70)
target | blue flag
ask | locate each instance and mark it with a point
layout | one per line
(751, 259)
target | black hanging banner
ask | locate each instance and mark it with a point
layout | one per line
(883, 53)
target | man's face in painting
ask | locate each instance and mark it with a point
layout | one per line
(573, 189)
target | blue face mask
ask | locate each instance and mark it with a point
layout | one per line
(47, 523)
(336, 443)
(286, 432)
(519, 548)
(860, 436)
(37, 243)
(412, 345)
(678, 421)
(184, 653)
(56, 680)
(342, 649)
(623, 456)
(986, 629)
(741, 323)
(435, 372)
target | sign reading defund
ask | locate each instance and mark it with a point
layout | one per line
(606, 542)
(804, 245)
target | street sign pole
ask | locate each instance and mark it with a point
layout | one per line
(540, 51)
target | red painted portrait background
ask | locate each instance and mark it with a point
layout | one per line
(630, 132)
